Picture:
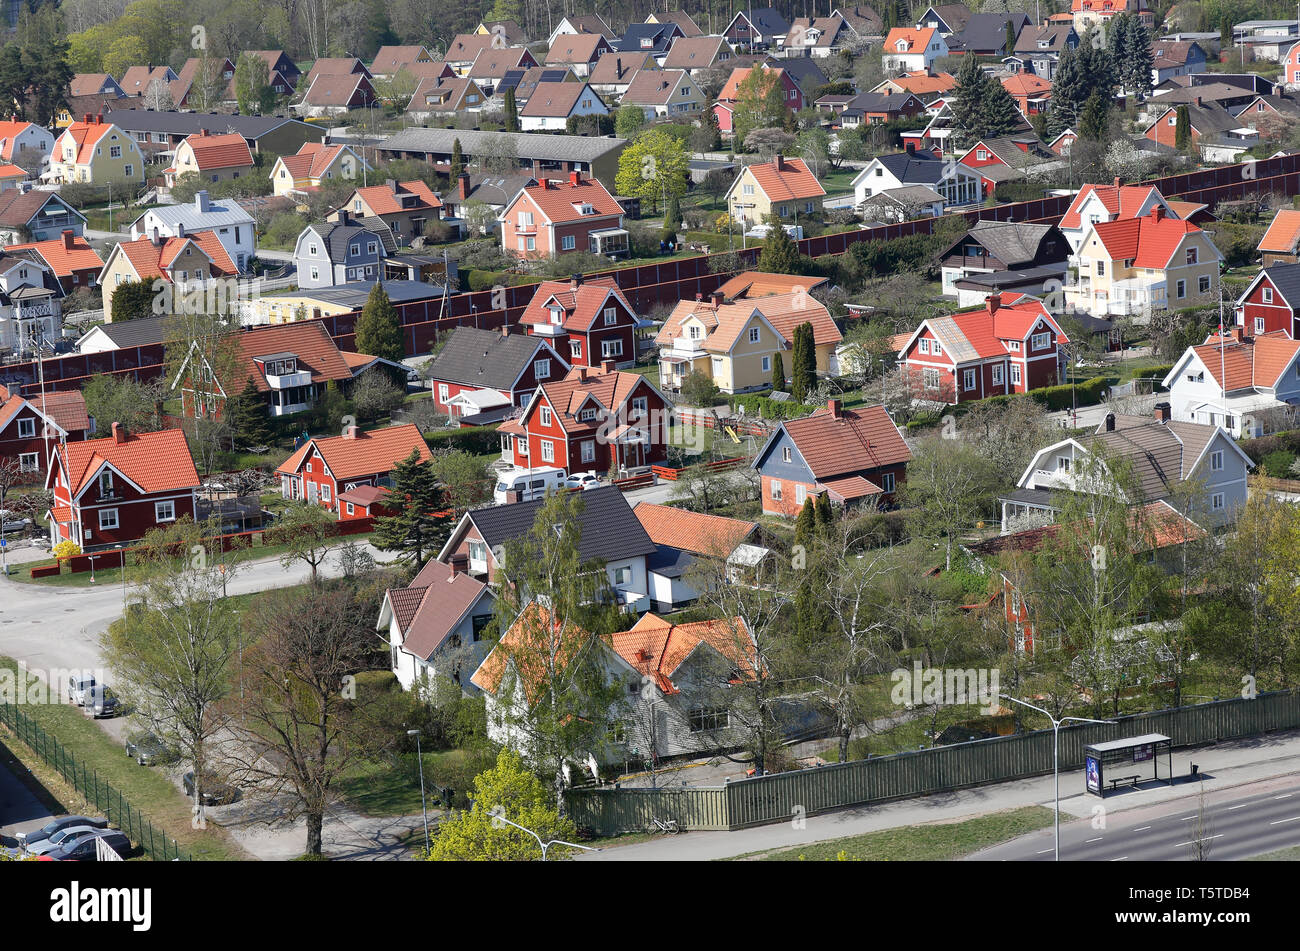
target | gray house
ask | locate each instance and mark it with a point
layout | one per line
(328, 254)
(1163, 455)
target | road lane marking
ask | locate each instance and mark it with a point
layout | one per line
(1120, 859)
(1206, 839)
(1283, 796)
(1280, 821)
(1098, 839)
(1143, 829)
(1044, 851)
(1242, 806)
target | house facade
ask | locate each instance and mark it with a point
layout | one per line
(94, 150)
(313, 165)
(857, 456)
(783, 187)
(496, 362)
(213, 158)
(185, 262)
(1268, 305)
(324, 468)
(913, 49)
(552, 218)
(590, 322)
(405, 207)
(233, 227)
(1247, 385)
(114, 490)
(31, 428)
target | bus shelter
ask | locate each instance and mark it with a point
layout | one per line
(1124, 762)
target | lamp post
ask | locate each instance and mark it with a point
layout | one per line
(498, 821)
(1056, 760)
(424, 809)
(122, 567)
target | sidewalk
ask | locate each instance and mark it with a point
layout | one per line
(1221, 766)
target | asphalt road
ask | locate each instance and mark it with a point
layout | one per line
(1238, 823)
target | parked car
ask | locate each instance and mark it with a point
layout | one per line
(215, 793)
(101, 702)
(11, 522)
(70, 834)
(78, 686)
(583, 480)
(84, 848)
(529, 483)
(147, 749)
(54, 825)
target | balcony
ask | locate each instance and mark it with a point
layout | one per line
(1052, 479)
(548, 329)
(283, 381)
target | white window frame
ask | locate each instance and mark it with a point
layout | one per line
(542, 369)
(548, 450)
(29, 462)
(775, 491)
(105, 517)
(1216, 461)
(27, 429)
(160, 507)
(545, 416)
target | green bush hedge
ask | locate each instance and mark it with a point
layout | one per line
(1265, 446)
(478, 280)
(476, 440)
(769, 408)
(1067, 395)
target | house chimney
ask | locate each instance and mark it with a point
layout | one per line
(1110, 422)
(575, 178)
(698, 296)
(86, 118)
(505, 330)
(1239, 333)
(575, 281)
(1157, 212)
(994, 301)
(779, 162)
(717, 297)
(582, 373)
(911, 148)
(1117, 181)
(459, 565)
(462, 185)
(119, 433)
(155, 239)
(834, 407)
(1198, 102)
(180, 229)
(1164, 412)
(391, 184)
(203, 133)
(201, 202)
(67, 239)
(344, 217)
(606, 366)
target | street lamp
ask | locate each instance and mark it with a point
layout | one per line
(498, 821)
(423, 808)
(1056, 759)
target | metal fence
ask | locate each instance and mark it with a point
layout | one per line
(105, 798)
(777, 798)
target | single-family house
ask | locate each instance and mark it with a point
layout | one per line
(724, 106)
(552, 218)
(324, 468)
(683, 20)
(652, 38)
(36, 216)
(1039, 48)
(31, 427)
(578, 52)
(511, 366)
(71, 259)
(24, 141)
(946, 18)
(663, 92)
(94, 150)
(1004, 256)
(913, 49)
(1281, 242)
(588, 321)
(446, 99)
(1247, 385)
(757, 29)
(784, 187)
(614, 72)
(404, 207)
(233, 226)
(550, 106)
(1093, 204)
(696, 54)
(213, 158)
(856, 456)
(390, 60)
(491, 65)
(334, 253)
(312, 165)
(576, 25)
(1270, 302)
(680, 537)
(185, 261)
(958, 184)
(332, 94)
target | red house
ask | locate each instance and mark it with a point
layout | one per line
(589, 322)
(1270, 301)
(365, 501)
(74, 262)
(490, 361)
(1011, 345)
(323, 469)
(599, 420)
(857, 456)
(1005, 158)
(30, 428)
(112, 491)
(553, 218)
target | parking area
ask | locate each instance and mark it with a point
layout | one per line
(20, 809)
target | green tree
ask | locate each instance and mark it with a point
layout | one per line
(628, 121)
(308, 532)
(132, 300)
(672, 218)
(803, 370)
(1182, 129)
(707, 136)
(414, 530)
(653, 167)
(379, 328)
(1009, 41)
(698, 389)
(249, 423)
(457, 160)
(825, 517)
(760, 104)
(805, 523)
(252, 85)
(511, 111)
(1094, 124)
(967, 98)
(507, 789)
(778, 371)
(951, 485)
(1069, 92)
(780, 255)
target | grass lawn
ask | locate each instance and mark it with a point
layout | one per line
(1282, 855)
(934, 842)
(147, 788)
(839, 181)
(386, 789)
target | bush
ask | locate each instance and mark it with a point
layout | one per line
(768, 408)
(1259, 449)
(485, 280)
(476, 440)
(1277, 464)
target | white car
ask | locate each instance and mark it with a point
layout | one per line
(582, 480)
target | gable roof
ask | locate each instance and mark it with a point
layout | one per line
(614, 69)
(694, 52)
(751, 284)
(384, 199)
(1250, 362)
(337, 89)
(653, 87)
(681, 18)
(982, 333)
(65, 408)
(557, 200)
(1165, 526)
(492, 63)
(308, 340)
(914, 40)
(985, 32)
(1207, 119)
(730, 89)
(657, 648)
(390, 59)
(527, 646)
(768, 21)
(791, 181)
(1055, 35)
(582, 305)
(93, 84)
(576, 48)
(219, 151)
(156, 462)
(151, 260)
(694, 532)
(1149, 241)
(312, 159)
(557, 100)
(63, 260)
(1160, 454)
(1120, 201)
(432, 606)
(853, 441)
(725, 322)
(486, 358)
(1012, 243)
(366, 453)
(1283, 232)
(84, 135)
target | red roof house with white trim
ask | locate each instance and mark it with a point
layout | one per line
(588, 322)
(552, 218)
(324, 468)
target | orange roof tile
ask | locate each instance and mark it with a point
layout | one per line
(10, 129)
(791, 182)
(156, 462)
(1250, 362)
(1282, 233)
(1148, 241)
(738, 75)
(366, 453)
(84, 135)
(751, 284)
(581, 307)
(920, 83)
(1120, 201)
(855, 441)
(64, 261)
(657, 648)
(917, 40)
(692, 531)
(308, 340)
(534, 644)
(561, 202)
(1027, 84)
(152, 261)
(229, 150)
(567, 394)
(383, 200)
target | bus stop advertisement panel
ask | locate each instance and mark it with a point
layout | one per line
(1125, 760)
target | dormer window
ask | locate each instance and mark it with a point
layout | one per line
(557, 314)
(106, 484)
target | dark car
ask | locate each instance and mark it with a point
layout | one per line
(83, 849)
(63, 822)
(102, 702)
(215, 793)
(147, 749)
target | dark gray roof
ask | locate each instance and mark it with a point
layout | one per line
(1055, 35)
(661, 36)
(1024, 279)
(336, 237)
(670, 562)
(134, 333)
(882, 101)
(805, 72)
(768, 21)
(914, 168)
(1286, 278)
(525, 145)
(610, 531)
(497, 189)
(355, 293)
(483, 358)
(955, 15)
(187, 123)
(988, 31)
(1013, 243)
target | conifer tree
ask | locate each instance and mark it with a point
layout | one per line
(379, 328)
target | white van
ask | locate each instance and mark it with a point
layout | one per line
(529, 483)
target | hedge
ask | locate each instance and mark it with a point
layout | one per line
(1257, 449)
(476, 440)
(768, 408)
(1068, 395)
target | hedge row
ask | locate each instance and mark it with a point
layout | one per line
(768, 408)
(476, 440)
(1257, 449)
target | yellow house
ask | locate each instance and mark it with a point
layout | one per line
(92, 150)
(1136, 265)
(783, 187)
(313, 165)
(736, 343)
(213, 158)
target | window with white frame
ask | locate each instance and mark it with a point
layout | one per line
(108, 519)
(1216, 501)
(1191, 255)
(546, 416)
(786, 454)
(887, 481)
(588, 450)
(548, 451)
(935, 348)
(1268, 295)
(568, 242)
(753, 335)
(639, 405)
(575, 349)
(443, 393)
(611, 316)
(622, 575)
(542, 369)
(1015, 373)
(26, 428)
(1259, 325)
(930, 378)
(767, 364)
(997, 374)
(1203, 283)
(29, 462)
(611, 348)
(1216, 461)
(1181, 289)
(968, 379)
(164, 511)
(775, 490)
(1040, 341)
(925, 345)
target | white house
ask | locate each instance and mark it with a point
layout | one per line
(1249, 386)
(910, 49)
(956, 183)
(550, 105)
(29, 302)
(233, 226)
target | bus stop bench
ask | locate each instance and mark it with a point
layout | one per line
(1131, 780)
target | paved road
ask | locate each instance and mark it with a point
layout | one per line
(1237, 823)
(1223, 766)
